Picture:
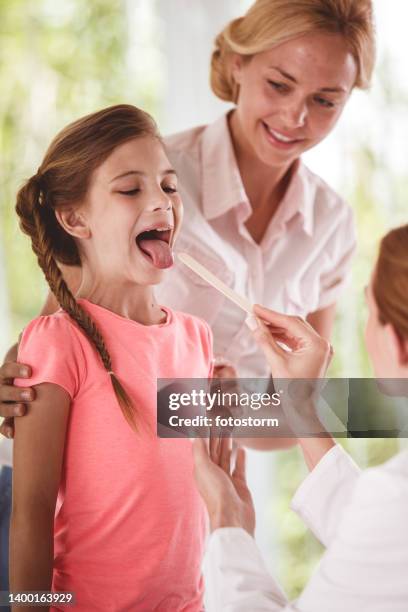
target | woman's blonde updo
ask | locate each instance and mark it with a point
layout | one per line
(271, 22)
(62, 179)
(390, 281)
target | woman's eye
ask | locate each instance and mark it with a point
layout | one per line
(324, 102)
(130, 192)
(282, 87)
(170, 189)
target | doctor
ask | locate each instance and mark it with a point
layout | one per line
(360, 517)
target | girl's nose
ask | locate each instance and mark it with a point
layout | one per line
(164, 204)
(161, 201)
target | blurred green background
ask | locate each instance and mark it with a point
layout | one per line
(58, 61)
(63, 58)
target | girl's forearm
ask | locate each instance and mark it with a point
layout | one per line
(31, 554)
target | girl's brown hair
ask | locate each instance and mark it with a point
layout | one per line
(271, 22)
(63, 178)
(390, 280)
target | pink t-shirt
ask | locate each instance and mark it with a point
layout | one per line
(129, 525)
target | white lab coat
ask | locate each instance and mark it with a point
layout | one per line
(361, 518)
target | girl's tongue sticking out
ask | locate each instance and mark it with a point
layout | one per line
(155, 246)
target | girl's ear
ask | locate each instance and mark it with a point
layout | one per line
(73, 221)
(398, 345)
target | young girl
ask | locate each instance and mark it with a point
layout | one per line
(101, 506)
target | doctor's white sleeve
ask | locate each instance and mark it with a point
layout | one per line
(322, 497)
(237, 579)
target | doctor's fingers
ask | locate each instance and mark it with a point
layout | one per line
(292, 325)
(272, 351)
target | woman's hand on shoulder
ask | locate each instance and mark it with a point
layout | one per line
(13, 399)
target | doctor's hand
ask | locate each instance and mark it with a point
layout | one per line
(223, 489)
(308, 354)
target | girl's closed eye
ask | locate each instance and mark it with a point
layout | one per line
(130, 192)
(169, 189)
(136, 190)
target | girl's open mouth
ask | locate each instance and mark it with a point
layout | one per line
(155, 246)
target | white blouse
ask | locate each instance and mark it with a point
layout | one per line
(299, 267)
(361, 518)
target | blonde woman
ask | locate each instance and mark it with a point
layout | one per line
(255, 215)
(361, 518)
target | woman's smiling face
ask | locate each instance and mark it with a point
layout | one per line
(291, 96)
(133, 191)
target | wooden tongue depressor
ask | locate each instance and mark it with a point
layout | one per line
(216, 282)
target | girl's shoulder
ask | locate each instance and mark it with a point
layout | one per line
(49, 332)
(189, 320)
(53, 324)
(197, 334)
(52, 346)
(193, 326)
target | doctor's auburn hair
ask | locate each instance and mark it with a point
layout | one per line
(271, 22)
(62, 179)
(390, 280)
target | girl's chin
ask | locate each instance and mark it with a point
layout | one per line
(151, 275)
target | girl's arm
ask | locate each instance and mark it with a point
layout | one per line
(38, 455)
(11, 369)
